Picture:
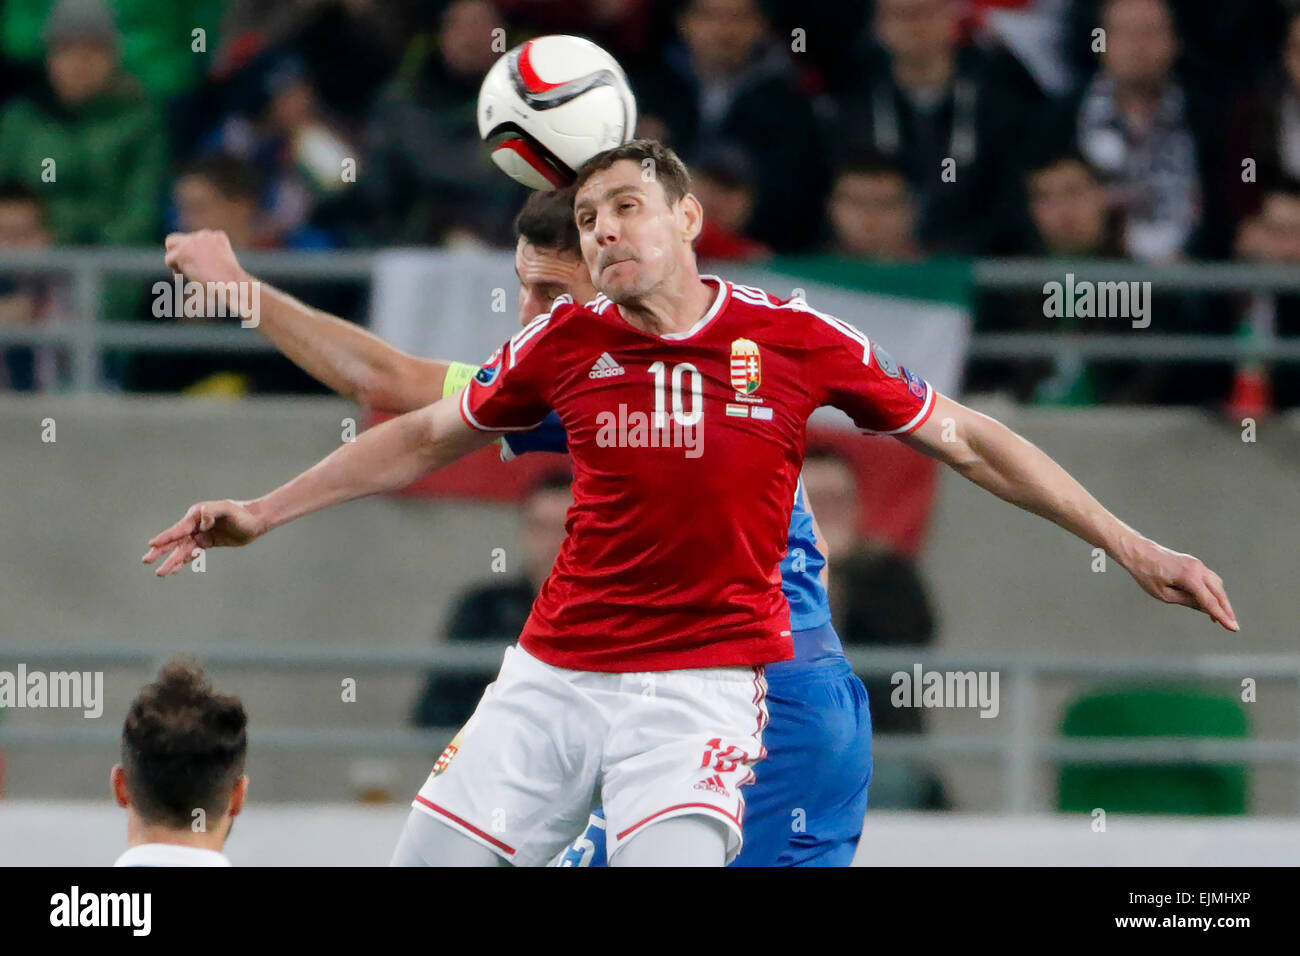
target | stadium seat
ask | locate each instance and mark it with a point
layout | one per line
(1166, 710)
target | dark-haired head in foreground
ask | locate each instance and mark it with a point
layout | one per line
(181, 779)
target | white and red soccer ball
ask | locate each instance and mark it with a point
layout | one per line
(549, 105)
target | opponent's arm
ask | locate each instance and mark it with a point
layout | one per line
(335, 352)
(384, 458)
(997, 459)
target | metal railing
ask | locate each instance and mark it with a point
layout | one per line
(1020, 748)
(89, 336)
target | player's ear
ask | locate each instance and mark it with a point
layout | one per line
(237, 795)
(691, 216)
(117, 785)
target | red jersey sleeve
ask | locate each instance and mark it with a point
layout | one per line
(857, 376)
(511, 391)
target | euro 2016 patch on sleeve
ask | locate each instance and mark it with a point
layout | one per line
(491, 368)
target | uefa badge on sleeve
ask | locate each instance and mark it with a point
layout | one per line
(746, 367)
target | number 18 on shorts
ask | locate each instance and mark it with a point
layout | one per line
(546, 745)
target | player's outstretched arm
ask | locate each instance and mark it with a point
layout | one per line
(335, 352)
(384, 458)
(998, 460)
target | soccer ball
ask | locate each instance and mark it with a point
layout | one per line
(549, 105)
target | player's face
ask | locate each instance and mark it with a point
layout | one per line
(545, 273)
(632, 239)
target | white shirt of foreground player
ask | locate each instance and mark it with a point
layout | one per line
(170, 854)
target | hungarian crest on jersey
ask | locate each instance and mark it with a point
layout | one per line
(746, 367)
(448, 755)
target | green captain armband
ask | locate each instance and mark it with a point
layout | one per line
(458, 376)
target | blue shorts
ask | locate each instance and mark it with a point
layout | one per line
(808, 798)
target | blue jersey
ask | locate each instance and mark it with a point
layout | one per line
(800, 569)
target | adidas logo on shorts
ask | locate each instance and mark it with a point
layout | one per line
(713, 784)
(605, 367)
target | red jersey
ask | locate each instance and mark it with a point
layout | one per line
(686, 449)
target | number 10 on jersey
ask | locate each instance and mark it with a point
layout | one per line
(680, 415)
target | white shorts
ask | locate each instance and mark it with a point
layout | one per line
(546, 745)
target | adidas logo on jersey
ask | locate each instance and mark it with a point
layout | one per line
(605, 367)
(713, 784)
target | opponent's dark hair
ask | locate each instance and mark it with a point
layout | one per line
(183, 746)
(668, 168)
(546, 221)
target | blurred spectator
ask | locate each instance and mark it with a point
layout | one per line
(877, 600)
(947, 115)
(1267, 125)
(157, 39)
(28, 299)
(364, 37)
(1273, 235)
(222, 192)
(299, 152)
(1150, 135)
(90, 141)
(871, 211)
(877, 597)
(426, 177)
(629, 29)
(497, 611)
(1070, 210)
(1227, 44)
(1070, 217)
(723, 181)
(729, 81)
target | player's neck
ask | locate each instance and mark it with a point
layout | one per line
(669, 311)
(139, 833)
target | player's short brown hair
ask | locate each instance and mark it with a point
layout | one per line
(668, 168)
(546, 221)
(183, 746)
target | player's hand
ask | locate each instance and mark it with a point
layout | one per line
(203, 256)
(1181, 579)
(208, 524)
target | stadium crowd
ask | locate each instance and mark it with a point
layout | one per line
(880, 131)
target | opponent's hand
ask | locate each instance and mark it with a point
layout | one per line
(203, 256)
(1180, 579)
(208, 524)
